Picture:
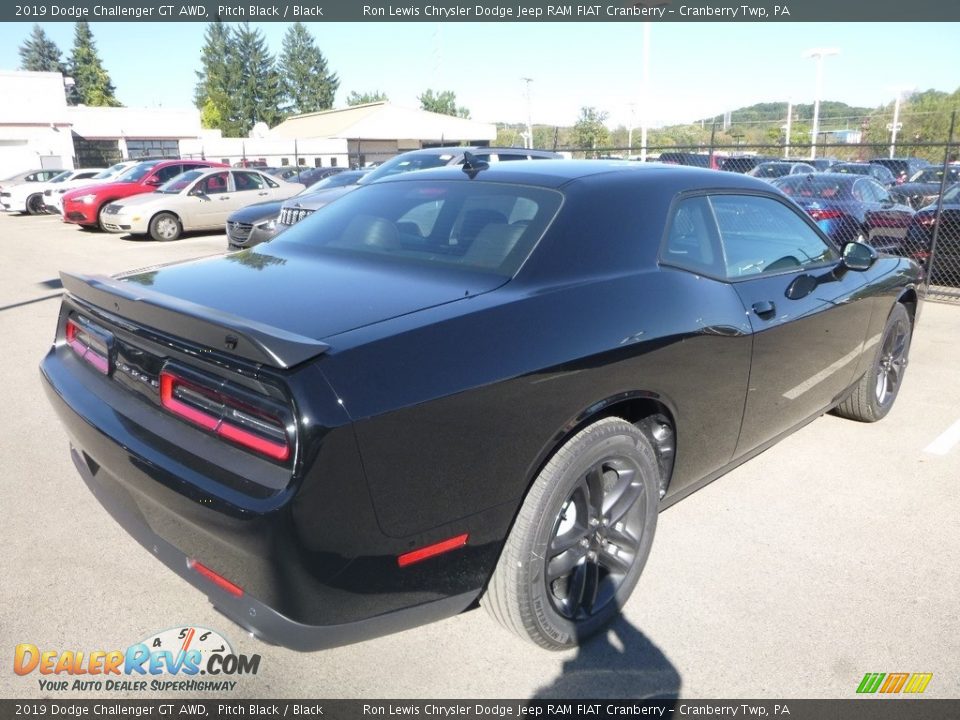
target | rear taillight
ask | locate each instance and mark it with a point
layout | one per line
(824, 213)
(89, 345)
(239, 420)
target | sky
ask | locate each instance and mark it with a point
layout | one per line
(696, 70)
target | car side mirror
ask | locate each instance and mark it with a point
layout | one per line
(858, 256)
(155, 182)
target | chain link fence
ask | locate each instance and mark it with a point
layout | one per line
(905, 205)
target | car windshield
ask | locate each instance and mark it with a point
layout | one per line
(138, 171)
(769, 170)
(852, 169)
(934, 175)
(104, 174)
(332, 181)
(813, 186)
(177, 184)
(407, 163)
(952, 195)
(490, 227)
(65, 175)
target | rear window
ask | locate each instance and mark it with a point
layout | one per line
(490, 227)
(813, 186)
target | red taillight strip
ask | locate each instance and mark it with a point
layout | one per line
(415, 556)
(168, 381)
(84, 351)
(217, 579)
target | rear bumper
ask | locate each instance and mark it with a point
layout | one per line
(255, 617)
(299, 590)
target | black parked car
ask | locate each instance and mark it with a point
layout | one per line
(946, 268)
(742, 163)
(902, 169)
(851, 207)
(878, 172)
(476, 383)
(924, 187)
(257, 223)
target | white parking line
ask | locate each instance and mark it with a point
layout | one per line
(945, 441)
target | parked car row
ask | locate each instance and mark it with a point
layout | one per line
(165, 198)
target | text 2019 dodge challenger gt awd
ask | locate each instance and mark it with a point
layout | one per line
(465, 385)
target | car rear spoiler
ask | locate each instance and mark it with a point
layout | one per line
(205, 326)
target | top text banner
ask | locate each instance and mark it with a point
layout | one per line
(482, 11)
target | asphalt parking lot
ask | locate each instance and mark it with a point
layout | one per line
(829, 556)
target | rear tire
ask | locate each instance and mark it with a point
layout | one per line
(874, 395)
(165, 227)
(581, 538)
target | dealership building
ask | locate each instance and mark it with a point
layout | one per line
(39, 130)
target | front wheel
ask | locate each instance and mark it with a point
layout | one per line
(581, 538)
(874, 395)
(165, 226)
(35, 205)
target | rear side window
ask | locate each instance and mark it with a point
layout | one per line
(491, 227)
(692, 240)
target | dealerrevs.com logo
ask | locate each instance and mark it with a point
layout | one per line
(191, 659)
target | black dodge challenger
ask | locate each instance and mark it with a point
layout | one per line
(466, 385)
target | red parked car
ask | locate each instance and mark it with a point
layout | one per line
(84, 205)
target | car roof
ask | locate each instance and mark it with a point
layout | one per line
(558, 173)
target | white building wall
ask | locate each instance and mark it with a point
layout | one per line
(34, 128)
(318, 152)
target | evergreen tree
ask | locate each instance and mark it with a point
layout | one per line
(40, 54)
(92, 82)
(217, 79)
(257, 94)
(306, 83)
(355, 98)
(444, 103)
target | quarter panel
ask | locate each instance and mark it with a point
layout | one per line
(456, 416)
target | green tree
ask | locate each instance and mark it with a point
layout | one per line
(589, 132)
(40, 54)
(355, 98)
(258, 92)
(306, 83)
(444, 103)
(92, 81)
(214, 94)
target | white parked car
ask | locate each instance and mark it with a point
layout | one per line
(29, 176)
(194, 200)
(53, 196)
(27, 197)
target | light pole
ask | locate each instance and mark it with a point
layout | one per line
(529, 124)
(819, 54)
(645, 109)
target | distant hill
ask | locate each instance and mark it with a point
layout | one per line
(830, 110)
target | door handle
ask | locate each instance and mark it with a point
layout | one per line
(263, 193)
(224, 197)
(765, 308)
